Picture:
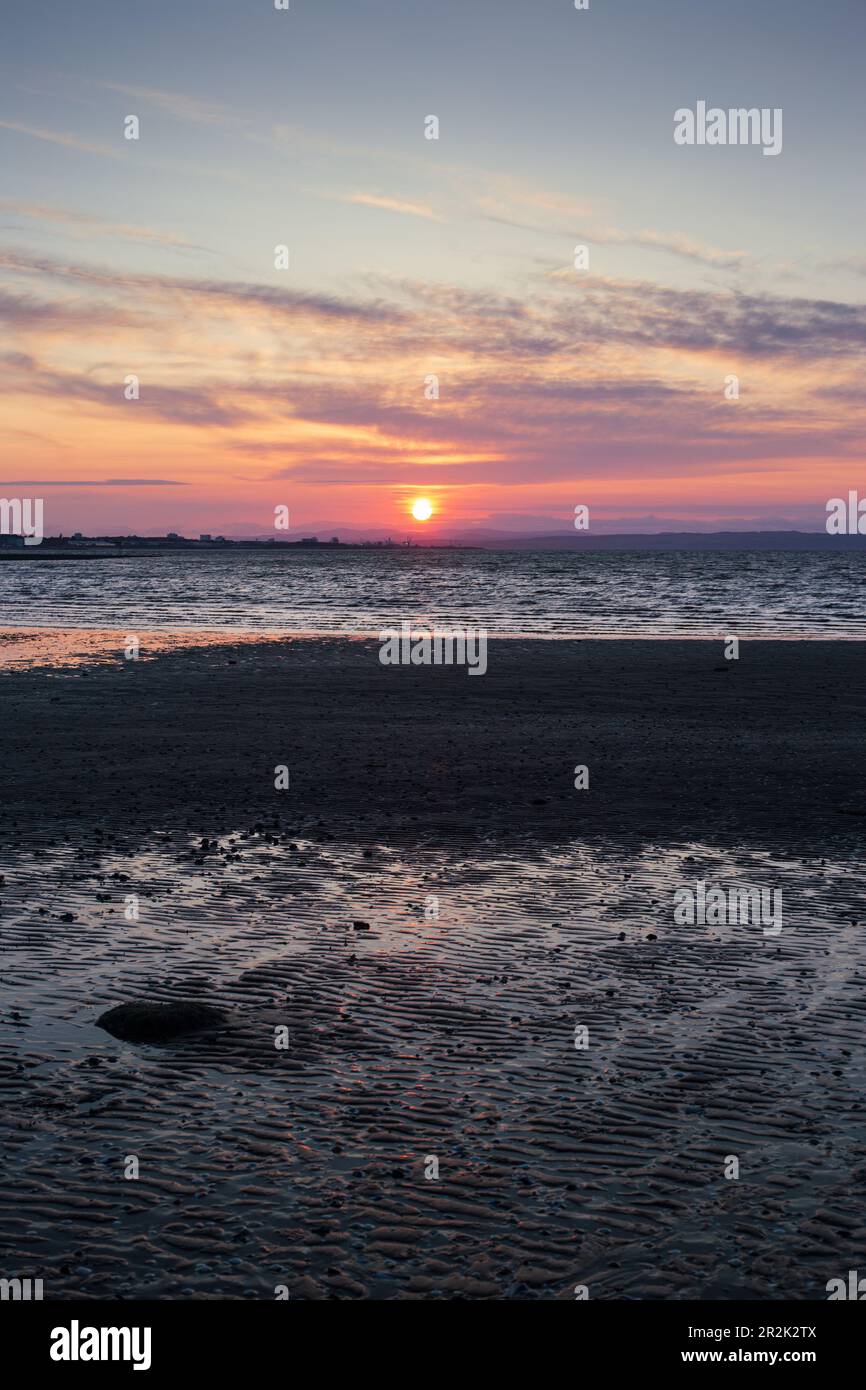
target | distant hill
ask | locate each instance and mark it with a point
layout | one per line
(673, 540)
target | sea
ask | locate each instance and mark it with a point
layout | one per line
(551, 594)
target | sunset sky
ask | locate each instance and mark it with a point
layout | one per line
(410, 257)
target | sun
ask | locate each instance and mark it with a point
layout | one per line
(422, 510)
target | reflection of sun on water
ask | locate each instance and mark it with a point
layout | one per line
(421, 509)
(84, 647)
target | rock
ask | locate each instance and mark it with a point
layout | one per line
(142, 1021)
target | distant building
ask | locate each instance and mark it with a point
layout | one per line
(172, 536)
(205, 537)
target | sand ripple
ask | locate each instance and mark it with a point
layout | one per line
(418, 1037)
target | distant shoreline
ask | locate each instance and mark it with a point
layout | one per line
(92, 548)
(129, 552)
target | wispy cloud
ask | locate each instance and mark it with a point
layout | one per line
(91, 223)
(271, 298)
(515, 203)
(60, 137)
(608, 378)
(25, 311)
(675, 244)
(375, 200)
(93, 482)
(176, 104)
(584, 309)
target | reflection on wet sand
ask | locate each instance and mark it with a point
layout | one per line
(432, 914)
(71, 647)
(431, 999)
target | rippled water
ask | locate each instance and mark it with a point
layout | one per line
(554, 594)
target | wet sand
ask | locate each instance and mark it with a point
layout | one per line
(677, 740)
(501, 908)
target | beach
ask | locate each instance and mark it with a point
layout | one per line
(431, 910)
(677, 739)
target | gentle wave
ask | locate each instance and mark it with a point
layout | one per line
(532, 594)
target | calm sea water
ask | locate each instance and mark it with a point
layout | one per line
(511, 593)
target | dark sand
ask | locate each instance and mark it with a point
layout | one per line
(678, 741)
(448, 1036)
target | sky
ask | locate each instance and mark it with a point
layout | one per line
(411, 259)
